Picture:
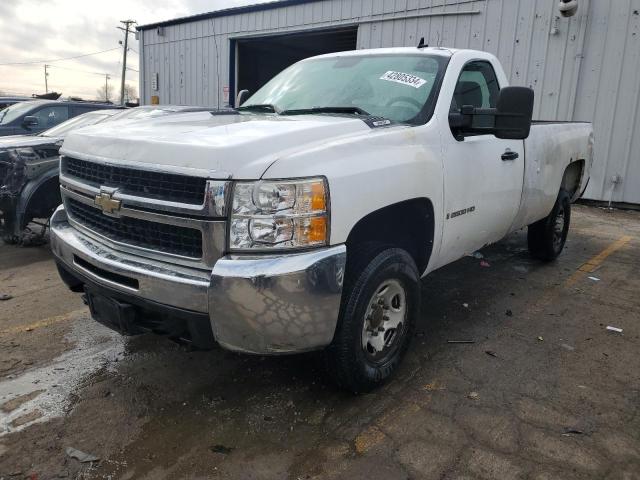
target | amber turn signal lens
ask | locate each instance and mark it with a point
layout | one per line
(318, 199)
(317, 229)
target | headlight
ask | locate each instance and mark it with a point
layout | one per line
(279, 214)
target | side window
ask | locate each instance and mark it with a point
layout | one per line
(477, 86)
(51, 116)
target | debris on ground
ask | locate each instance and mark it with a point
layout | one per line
(434, 386)
(477, 255)
(595, 279)
(221, 449)
(540, 339)
(81, 456)
(485, 264)
(5, 296)
(571, 431)
(474, 396)
(461, 341)
(509, 313)
(567, 347)
(465, 305)
(491, 353)
(614, 329)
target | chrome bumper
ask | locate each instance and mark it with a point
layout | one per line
(261, 304)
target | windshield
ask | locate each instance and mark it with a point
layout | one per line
(396, 87)
(76, 122)
(9, 114)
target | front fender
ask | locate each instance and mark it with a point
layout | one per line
(370, 171)
(27, 195)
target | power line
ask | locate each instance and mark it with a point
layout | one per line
(80, 71)
(60, 59)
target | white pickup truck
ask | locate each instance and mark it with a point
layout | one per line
(304, 219)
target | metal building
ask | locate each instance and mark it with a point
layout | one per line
(586, 67)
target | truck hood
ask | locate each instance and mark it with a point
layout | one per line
(21, 141)
(222, 145)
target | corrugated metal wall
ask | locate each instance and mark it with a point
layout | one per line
(583, 68)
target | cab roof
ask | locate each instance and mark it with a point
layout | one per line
(439, 51)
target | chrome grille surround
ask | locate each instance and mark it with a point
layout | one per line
(147, 183)
(207, 218)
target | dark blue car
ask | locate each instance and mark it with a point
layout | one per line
(39, 115)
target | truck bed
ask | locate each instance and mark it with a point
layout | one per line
(551, 147)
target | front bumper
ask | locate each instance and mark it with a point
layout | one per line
(257, 304)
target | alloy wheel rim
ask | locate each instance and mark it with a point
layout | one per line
(384, 322)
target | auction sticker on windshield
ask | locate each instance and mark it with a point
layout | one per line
(404, 79)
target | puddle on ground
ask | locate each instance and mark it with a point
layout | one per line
(44, 393)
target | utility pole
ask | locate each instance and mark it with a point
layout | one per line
(106, 87)
(46, 82)
(127, 24)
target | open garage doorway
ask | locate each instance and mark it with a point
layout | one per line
(259, 59)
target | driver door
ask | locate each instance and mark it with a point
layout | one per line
(482, 174)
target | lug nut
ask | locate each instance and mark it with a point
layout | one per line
(381, 329)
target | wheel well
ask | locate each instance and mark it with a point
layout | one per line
(408, 225)
(572, 177)
(43, 200)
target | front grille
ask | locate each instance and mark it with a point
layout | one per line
(140, 233)
(159, 185)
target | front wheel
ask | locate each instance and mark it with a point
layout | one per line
(547, 237)
(379, 311)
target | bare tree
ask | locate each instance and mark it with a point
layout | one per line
(130, 93)
(105, 92)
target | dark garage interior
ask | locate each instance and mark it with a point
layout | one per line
(261, 58)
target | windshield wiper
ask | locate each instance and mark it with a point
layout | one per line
(347, 110)
(261, 107)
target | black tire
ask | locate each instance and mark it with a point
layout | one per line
(350, 363)
(546, 238)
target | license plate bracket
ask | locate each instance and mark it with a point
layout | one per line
(112, 313)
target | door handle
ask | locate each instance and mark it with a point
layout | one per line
(510, 156)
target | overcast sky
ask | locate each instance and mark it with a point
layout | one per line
(36, 30)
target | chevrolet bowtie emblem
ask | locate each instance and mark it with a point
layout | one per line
(107, 203)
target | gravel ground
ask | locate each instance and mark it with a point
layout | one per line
(544, 391)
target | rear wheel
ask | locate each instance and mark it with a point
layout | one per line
(379, 310)
(548, 236)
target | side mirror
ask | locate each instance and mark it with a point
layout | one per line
(30, 121)
(510, 120)
(242, 97)
(514, 113)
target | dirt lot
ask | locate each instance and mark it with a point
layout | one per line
(543, 392)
